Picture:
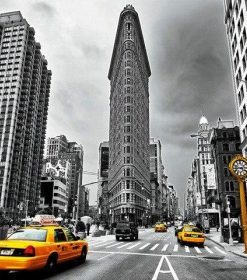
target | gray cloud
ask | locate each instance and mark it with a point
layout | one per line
(44, 9)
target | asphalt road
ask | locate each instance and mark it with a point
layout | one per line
(154, 256)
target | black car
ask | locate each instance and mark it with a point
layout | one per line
(126, 230)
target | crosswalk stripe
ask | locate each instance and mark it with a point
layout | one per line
(98, 242)
(165, 247)
(131, 247)
(154, 247)
(124, 245)
(114, 245)
(198, 250)
(100, 245)
(222, 252)
(175, 249)
(187, 249)
(206, 247)
(144, 246)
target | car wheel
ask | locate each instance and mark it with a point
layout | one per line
(201, 245)
(83, 255)
(137, 237)
(51, 264)
(117, 238)
(132, 238)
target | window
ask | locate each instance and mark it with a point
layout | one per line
(70, 235)
(226, 147)
(59, 236)
(227, 186)
(225, 172)
(232, 186)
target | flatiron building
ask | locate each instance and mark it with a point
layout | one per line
(129, 171)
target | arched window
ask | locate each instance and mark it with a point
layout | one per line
(232, 186)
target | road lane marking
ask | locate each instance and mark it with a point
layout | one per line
(124, 245)
(222, 252)
(158, 269)
(187, 249)
(114, 245)
(151, 255)
(206, 247)
(144, 246)
(104, 257)
(175, 249)
(103, 244)
(154, 247)
(198, 250)
(165, 247)
(131, 247)
(171, 269)
(97, 242)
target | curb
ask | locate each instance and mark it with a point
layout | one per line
(227, 249)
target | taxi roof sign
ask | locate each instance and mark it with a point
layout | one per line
(43, 220)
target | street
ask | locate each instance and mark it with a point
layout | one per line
(153, 256)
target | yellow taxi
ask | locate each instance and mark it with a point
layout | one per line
(160, 227)
(44, 244)
(191, 234)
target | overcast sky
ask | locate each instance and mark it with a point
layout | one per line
(188, 54)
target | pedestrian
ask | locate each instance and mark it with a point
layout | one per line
(80, 229)
(198, 225)
(88, 228)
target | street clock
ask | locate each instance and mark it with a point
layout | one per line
(238, 167)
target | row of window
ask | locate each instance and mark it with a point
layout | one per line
(241, 95)
(14, 28)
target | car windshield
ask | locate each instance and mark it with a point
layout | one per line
(123, 225)
(192, 229)
(29, 234)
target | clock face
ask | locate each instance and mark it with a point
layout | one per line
(240, 168)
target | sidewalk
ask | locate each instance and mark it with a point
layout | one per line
(236, 248)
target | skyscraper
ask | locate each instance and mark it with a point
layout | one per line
(129, 175)
(60, 149)
(236, 27)
(24, 98)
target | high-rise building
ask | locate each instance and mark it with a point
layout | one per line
(236, 27)
(102, 195)
(24, 98)
(225, 143)
(60, 149)
(55, 146)
(206, 178)
(156, 176)
(129, 175)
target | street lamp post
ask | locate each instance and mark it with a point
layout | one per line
(229, 223)
(238, 168)
(219, 202)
